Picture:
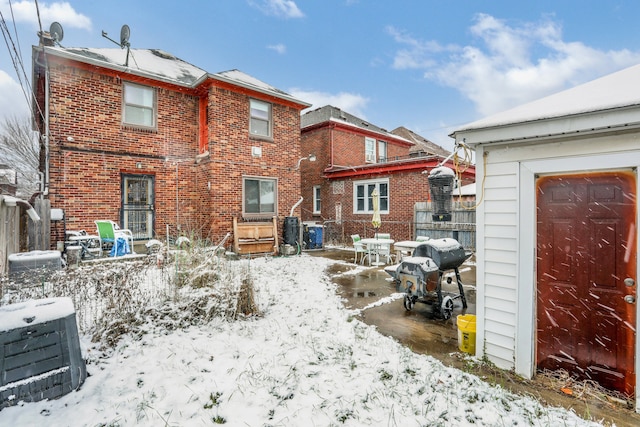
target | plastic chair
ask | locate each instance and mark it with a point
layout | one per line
(109, 231)
(358, 248)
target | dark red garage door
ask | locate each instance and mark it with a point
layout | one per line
(586, 272)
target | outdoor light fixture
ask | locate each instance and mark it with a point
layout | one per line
(310, 157)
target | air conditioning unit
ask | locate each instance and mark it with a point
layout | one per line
(370, 158)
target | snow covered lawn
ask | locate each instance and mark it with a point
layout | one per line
(305, 361)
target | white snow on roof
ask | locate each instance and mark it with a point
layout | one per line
(154, 63)
(386, 134)
(466, 190)
(248, 80)
(617, 90)
(160, 65)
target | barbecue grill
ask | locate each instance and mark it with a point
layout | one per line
(420, 275)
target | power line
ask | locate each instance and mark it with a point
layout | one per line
(16, 58)
(16, 54)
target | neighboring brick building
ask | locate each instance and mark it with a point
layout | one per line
(145, 139)
(354, 157)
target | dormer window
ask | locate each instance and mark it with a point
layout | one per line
(382, 151)
(369, 150)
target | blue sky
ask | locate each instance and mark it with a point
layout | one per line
(428, 65)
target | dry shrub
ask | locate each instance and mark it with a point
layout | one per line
(130, 297)
(246, 303)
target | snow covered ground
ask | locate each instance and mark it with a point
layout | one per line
(305, 361)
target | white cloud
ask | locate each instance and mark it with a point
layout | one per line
(13, 101)
(353, 103)
(62, 12)
(508, 65)
(417, 53)
(280, 8)
(280, 48)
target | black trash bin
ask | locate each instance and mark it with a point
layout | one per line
(291, 230)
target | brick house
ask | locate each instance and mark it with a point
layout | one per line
(145, 139)
(354, 157)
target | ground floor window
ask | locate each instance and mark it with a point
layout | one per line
(259, 196)
(363, 199)
(317, 201)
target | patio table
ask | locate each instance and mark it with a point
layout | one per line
(405, 246)
(90, 244)
(375, 244)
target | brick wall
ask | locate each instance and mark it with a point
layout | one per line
(90, 151)
(232, 159)
(406, 188)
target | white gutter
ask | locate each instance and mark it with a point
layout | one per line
(45, 183)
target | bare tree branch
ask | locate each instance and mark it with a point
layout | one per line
(20, 151)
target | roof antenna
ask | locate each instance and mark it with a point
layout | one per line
(56, 32)
(125, 33)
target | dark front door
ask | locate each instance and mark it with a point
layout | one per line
(137, 205)
(586, 272)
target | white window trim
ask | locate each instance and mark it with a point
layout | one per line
(256, 215)
(368, 182)
(269, 120)
(384, 144)
(369, 156)
(316, 189)
(154, 107)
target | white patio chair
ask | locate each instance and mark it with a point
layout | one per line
(358, 248)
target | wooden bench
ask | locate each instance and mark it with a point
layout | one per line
(255, 237)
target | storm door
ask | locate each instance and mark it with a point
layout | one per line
(137, 205)
(586, 273)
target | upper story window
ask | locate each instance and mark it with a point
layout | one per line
(317, 201)
(382, 151)
(139, 106)
(259, 197)
(369, 150)
(261, 118)
(363, 199)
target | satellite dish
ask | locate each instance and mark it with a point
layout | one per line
(125, 32)
(56, 31)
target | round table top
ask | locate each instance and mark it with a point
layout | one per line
(373, 240)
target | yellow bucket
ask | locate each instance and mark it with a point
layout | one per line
(467, 333)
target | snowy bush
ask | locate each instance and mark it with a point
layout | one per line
(117, 297)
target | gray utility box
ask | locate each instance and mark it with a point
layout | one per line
(40, 355)
(23, 263)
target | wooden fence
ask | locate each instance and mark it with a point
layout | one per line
(462, 226)
(9, 233)
(18, 233)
